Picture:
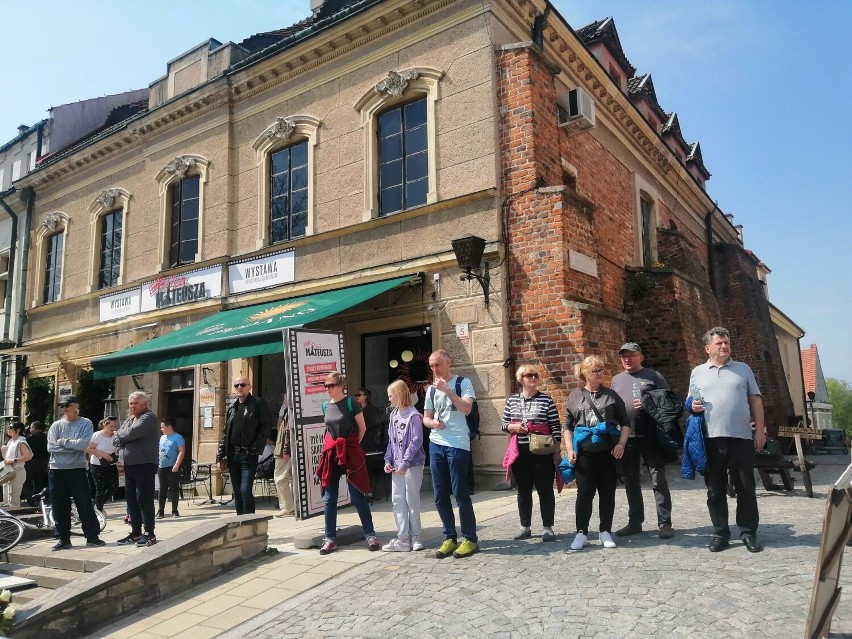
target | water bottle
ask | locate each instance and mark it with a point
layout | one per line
(637, 390)
(695, 393)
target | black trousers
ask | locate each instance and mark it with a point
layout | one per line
(726, 454)
(106, 482)
(139, 495)
(534, 471)
(595, 473)
(169, 487)
(65, 485)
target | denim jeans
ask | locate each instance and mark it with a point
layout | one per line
(359, 500)
(449, 477)
(242, 467)
(65, 485)
(139, 495)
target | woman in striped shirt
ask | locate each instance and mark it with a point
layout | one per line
(523, 409)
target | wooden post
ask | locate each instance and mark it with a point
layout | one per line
(806, 472)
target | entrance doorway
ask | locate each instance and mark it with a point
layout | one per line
(179, 401)
(392, 355)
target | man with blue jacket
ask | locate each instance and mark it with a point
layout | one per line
(730, 401)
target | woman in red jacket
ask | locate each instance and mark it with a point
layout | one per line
(342, 455)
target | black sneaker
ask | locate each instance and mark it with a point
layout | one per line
(61, 545)
(148, 539)
(175, 513)
(97, 541)
(160, 514)
(130, 539)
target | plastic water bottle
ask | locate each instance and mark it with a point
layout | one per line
(637, 390)
(695, 393)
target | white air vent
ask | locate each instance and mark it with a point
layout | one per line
(578, 112)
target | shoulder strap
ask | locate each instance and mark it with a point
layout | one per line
(595, 407)
(459, 380)
(324, 406)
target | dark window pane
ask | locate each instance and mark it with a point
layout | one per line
(299, 155)
(415, 140)
(415, 167)
(390, 123)
(300, 223)
(299, 179)
(189, 186)
(280, 207)
(189, 211)
(188, 251)
(278, 232)
(390, 148)
(390, 174)
(280, 161)
(280, 183)
(299, 201)
(391, 200)
(415, 113)
(415, 193)
(188, 230)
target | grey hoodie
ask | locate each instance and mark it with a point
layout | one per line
(74, 437)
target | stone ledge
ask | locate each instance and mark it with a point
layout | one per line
(144, 579)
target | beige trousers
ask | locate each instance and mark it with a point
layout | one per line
(12, 486)
(283, 477)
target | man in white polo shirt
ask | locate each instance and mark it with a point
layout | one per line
(730, 401)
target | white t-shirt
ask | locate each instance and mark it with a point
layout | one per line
(103, 444)
(455, 432)
(13, 451)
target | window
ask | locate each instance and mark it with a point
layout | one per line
(110, 269)
(184, 221)
(403, 161)
(288, 193)
(646, 210)
(53, 268)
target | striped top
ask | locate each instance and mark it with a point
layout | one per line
(538, 409)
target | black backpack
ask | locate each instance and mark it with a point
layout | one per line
(472, 417)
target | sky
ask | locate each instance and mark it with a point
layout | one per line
(764, 85)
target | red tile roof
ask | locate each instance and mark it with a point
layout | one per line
(810, 357)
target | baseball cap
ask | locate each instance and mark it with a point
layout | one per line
(630, 346)
(67, 401)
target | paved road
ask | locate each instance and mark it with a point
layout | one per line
(646, 587)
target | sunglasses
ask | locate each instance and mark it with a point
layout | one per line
(530, 375)
(598, 371)
(359, 394)
(240, 385)
(330, 386)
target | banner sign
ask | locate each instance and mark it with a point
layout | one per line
(262, 272)
(309, 356)
(120, 305)
(175, 290)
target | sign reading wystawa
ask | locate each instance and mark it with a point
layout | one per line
(262, 272)
(118, 305)
(186, 288)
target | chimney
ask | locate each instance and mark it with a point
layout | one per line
(23, 128)
(316, 5)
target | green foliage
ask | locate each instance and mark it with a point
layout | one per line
(92, 392)
(40, 400)
(840, 395)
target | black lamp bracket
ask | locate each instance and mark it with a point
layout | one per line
(482, 276)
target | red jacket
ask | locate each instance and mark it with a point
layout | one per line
(349, 455)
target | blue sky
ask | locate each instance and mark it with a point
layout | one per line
(765, 86)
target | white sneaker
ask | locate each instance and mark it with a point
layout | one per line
(395, 545)
(606, 540)
(416, 544)
(579, 541)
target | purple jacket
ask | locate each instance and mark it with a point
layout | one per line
(405, 439)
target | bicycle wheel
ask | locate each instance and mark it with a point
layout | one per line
(11, 531)
(77, 525)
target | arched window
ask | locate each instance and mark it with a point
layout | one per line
(50, 240)
(109, 216)
(182, 189)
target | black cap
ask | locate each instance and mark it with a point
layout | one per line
(67, 401)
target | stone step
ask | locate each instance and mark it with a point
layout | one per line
(41, 555)
(29, 594)
(44, 577)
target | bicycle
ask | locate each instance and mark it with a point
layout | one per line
(12, 527)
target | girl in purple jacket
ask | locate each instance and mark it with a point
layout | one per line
(404, 460)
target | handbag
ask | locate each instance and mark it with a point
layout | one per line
(541, 440)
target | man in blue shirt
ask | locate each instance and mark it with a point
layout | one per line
(445, 413)
(730, 400)
(172, 452)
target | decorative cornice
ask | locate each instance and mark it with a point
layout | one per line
(179, 166)
(282, 129)
(395, 83)
(51, 222)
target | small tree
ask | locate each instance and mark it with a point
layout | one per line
(840, 395)
(40, 400)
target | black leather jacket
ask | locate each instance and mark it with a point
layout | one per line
(257, 419)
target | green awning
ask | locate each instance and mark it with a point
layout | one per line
(239, 332)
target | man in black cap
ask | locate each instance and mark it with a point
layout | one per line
(67, 441)
(630, 385)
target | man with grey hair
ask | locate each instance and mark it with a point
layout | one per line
(139, 437)
(726, 392)
(67, 441)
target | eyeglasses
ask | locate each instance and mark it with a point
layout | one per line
(359, 394)
(530, 375)
(330, 386)
(598, 371)
(629, 355)
(240, 385)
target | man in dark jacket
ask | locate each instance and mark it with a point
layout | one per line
(139, 437)
(248, 424)
(37, 467)
(630, 385)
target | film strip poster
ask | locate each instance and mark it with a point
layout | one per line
(309, 356)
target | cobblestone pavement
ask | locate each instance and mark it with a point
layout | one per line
(647, 587)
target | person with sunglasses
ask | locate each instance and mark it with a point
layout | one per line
(525, 410)
(248, 425)
(341, 456)
(594, 413)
